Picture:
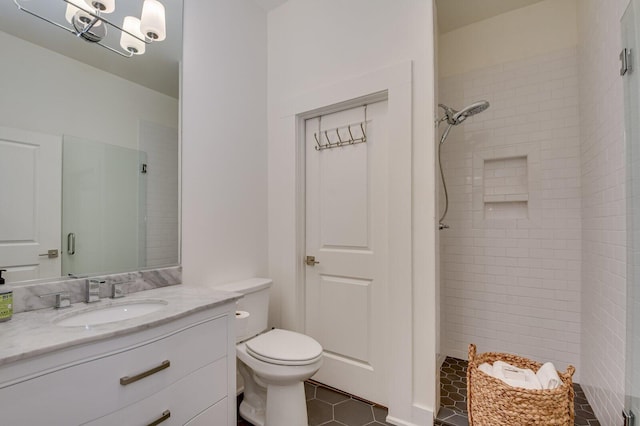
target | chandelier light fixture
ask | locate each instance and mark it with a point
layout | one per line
(89, 20)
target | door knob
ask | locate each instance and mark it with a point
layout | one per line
(51, 254)
(311, 260)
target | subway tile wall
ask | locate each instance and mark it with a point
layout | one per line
(511, 268)
(603, 209)
(161, 145)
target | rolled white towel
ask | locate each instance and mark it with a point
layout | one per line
(548, 376)
(516, 377)
(486, 368)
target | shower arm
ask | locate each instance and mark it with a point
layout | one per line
(440, 120)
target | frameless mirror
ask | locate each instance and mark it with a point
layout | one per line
(630, 29)
(88, 147)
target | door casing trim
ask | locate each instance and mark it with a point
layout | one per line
(393, 84)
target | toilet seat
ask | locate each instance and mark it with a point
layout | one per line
(282, 347)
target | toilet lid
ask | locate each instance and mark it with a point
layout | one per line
(284, 347)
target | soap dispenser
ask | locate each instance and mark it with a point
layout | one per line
(6, 300)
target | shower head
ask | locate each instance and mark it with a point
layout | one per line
(454, 117)
(473, 109)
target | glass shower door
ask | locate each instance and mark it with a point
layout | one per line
(630, 72)
(102, 207)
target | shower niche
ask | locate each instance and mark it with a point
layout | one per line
(504, 195)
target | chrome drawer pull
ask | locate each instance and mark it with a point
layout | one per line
(126, 380)
(165, 415)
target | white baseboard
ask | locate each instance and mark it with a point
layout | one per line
(398, 422)
(421, 416)
(440, 360)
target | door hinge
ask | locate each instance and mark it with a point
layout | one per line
(629, 418)
(625, 61)
(143, 168)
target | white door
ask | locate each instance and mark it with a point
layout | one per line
(30, 182)
(346, 232)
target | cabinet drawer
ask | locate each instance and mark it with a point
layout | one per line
(184, 400)
(213, 416)
(88, 390)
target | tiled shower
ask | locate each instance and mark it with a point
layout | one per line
(537, 265)
(510, 261)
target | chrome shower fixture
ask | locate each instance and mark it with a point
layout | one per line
(453, 118)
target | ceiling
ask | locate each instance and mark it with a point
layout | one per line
(157, 69)
(454, 14)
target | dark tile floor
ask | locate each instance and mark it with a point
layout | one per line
(453, 397)
(330, 407)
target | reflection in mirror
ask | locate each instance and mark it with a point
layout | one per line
(103, 200)
(120, 205)
(630, 43)
(51, 95)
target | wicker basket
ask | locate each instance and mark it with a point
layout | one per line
(491, 402)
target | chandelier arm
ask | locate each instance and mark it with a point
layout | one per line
(87, 27)
(84, 31)
(105, 20)
(119, 52)
(94, 15)
(22, 8)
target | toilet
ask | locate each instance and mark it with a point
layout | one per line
(273, 363)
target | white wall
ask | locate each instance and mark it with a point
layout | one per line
(46, 92)
(531, 30)
(603, 207)
(315, 44)
(224, 141)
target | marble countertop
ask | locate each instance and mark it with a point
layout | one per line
(33, 333)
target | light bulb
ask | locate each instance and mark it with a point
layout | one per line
(127, 41)
(72, 10)
(152, 22)
(104, 6)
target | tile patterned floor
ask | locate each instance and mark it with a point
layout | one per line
(330, 407)
(453, 397)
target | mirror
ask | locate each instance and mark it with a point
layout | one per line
(73, 118)
(630, 24)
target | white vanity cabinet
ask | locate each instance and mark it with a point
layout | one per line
(177, 373)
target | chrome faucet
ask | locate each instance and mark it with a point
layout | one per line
(117, 290)
(63, 299)
(93, 290)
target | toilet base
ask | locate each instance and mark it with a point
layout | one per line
(251, 415)
(286, 405)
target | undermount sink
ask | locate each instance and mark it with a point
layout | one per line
(109, 313)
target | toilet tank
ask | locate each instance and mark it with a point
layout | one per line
(255, 300)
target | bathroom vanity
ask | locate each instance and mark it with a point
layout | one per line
(173, 366)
